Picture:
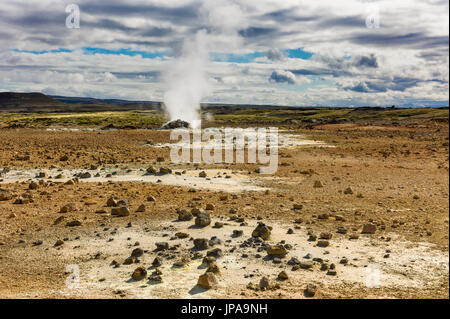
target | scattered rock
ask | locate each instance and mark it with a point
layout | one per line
(218, 225)
(264, 283)
(306, 264)
(85, 175)
(310, 290)
(157, 262)
(369, 229)
(38, 243)
(203, 220)
(201, 243)
(165, 171)
(67, 208)
(318, 184)
(120, 211)
(59, 242)
(207, 280)
(238, 233)
(326, 236)
(349, 191)
(184, 215)
(74, 223)
(182, 235)
(139, 274)
(33, 185)
(111, 202)
(323, 243)
(283, 275)
(155, 278)
(162, 246)
(216, 253)
(58, 220)
(214, 241)
(213, 268)
(262, 231)
(277, 251)
(175, 124)
(130, 260)
(138, 252)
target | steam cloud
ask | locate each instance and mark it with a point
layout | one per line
(186, 78)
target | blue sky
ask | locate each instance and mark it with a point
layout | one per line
(266, 52)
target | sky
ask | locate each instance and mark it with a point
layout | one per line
(290, 52)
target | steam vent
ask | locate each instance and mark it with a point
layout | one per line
(176, 124)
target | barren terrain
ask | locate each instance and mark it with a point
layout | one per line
(393, 177)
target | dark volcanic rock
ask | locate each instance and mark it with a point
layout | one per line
(176, 124)
(203, 220)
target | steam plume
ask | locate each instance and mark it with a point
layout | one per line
(187, 81)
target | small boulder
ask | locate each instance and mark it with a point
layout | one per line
(310, 290)
(264, 283)
(139, 274)
(262, 231)
(141, 209)
(201, 243)
(67, 208)
(207, 280)
(318, 184)
(123, 212)
(213, 268)
(216, 253)
(184, 215)
(162, 246)
(323, 243)
(277, 251)
(111, 202)
(283, 275)
(348, 191)
(74, 223)
(138, 252)
(326, 236)
(157, 262)
(203, 220)
(369, 229)
(181, 235)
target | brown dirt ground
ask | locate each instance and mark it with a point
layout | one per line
(401, 173)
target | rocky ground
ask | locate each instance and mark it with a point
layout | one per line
(362, 215)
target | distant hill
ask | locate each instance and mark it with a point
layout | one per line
(20, 102)
(38, 102)
(89, 100)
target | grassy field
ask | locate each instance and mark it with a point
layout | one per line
(126, 119)
(228, 116)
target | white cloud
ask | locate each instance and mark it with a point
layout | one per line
(406, 59)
